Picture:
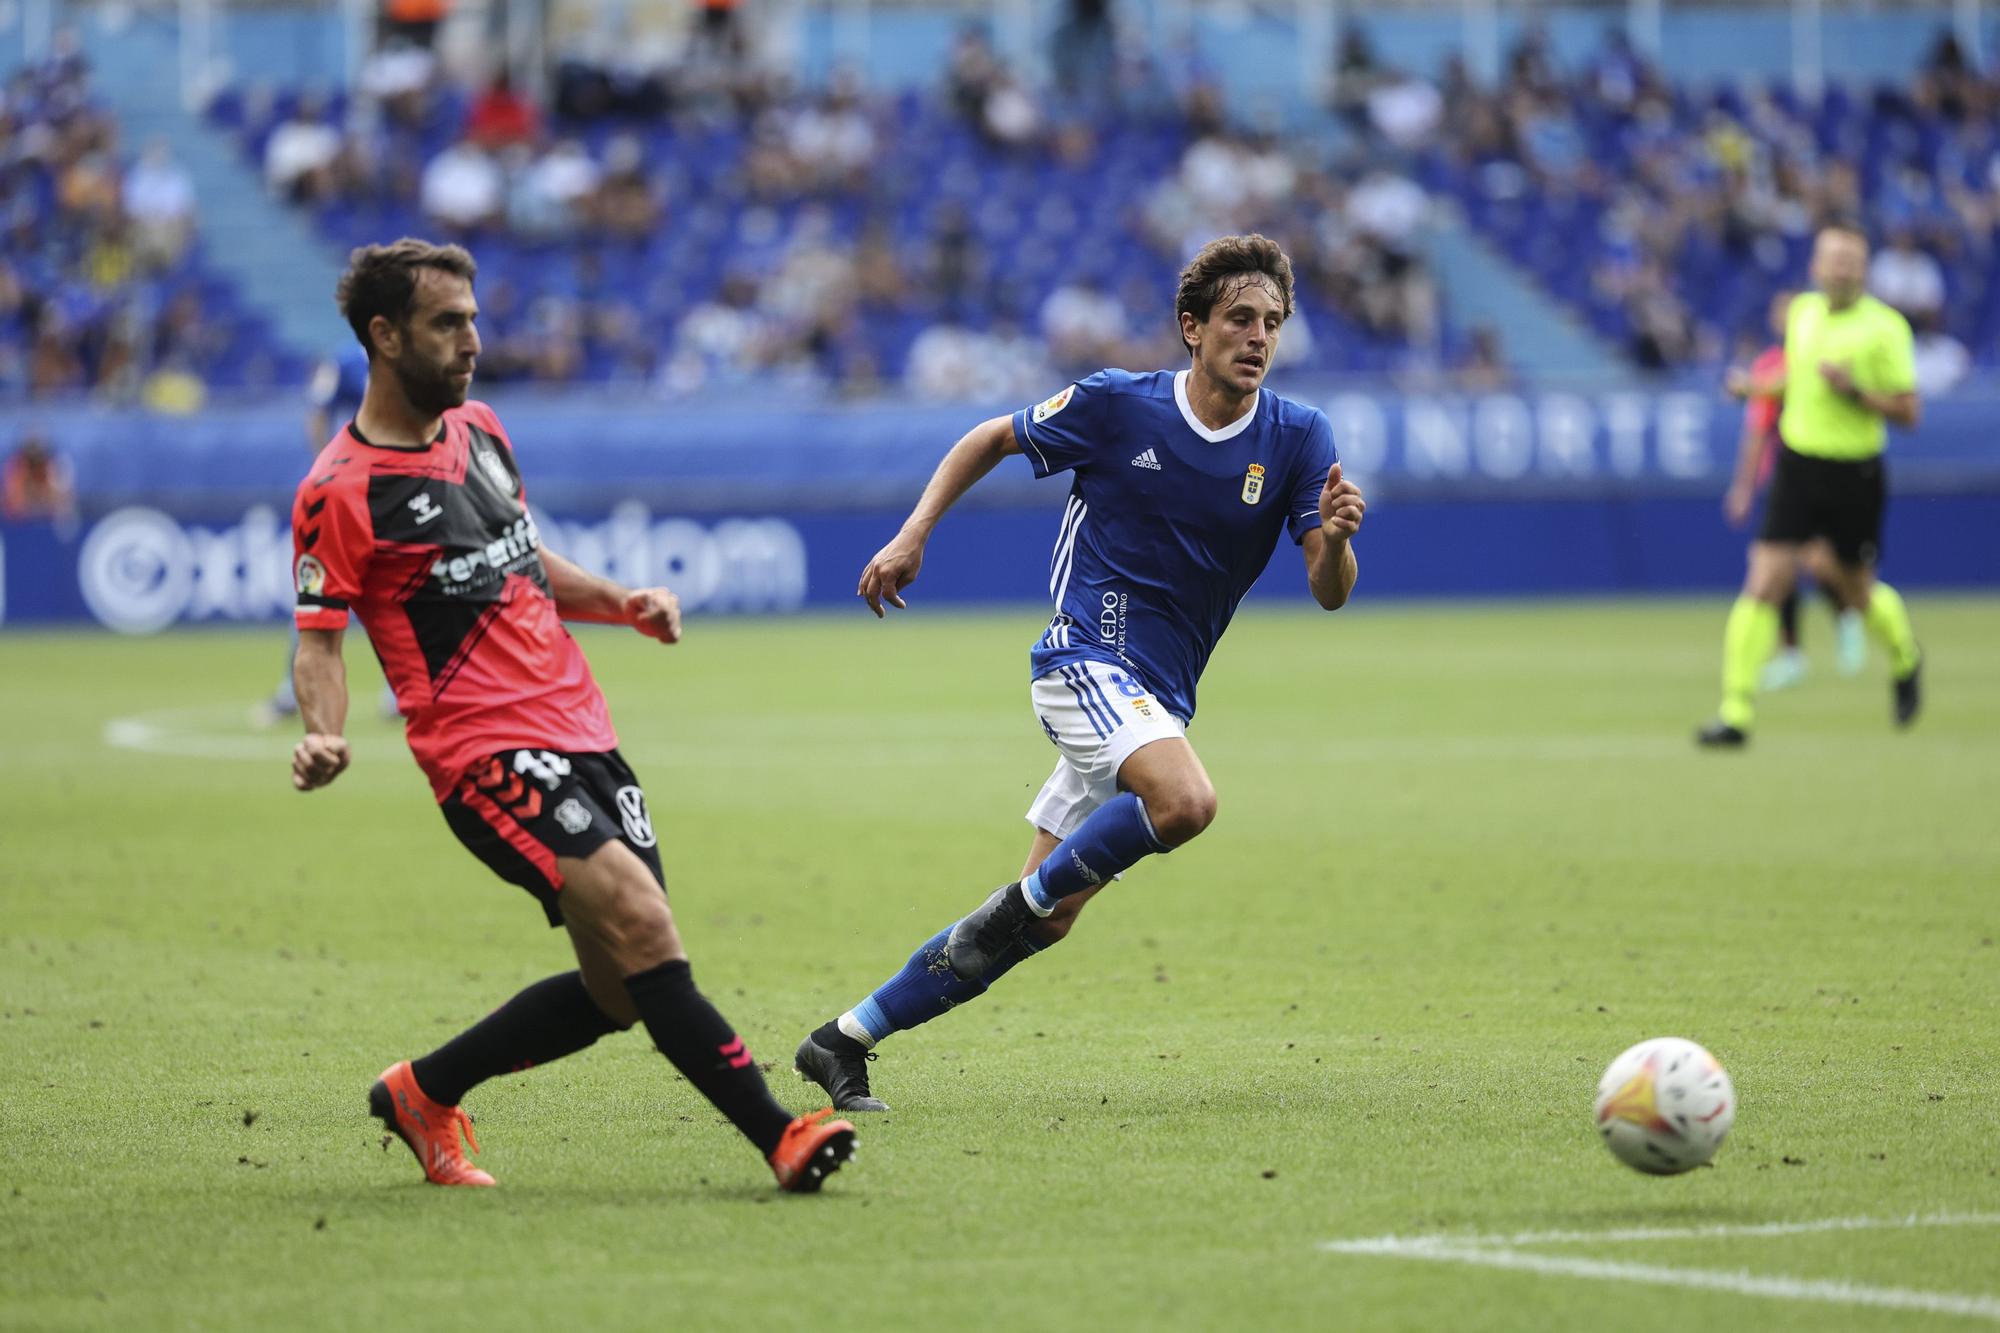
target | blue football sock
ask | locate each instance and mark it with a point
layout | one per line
(1116, 837)
(925, 988)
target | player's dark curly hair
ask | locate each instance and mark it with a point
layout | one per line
(1222, 266)
(382, 280)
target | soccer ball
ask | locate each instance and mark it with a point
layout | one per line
(1665, 1106)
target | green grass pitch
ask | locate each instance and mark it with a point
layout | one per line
(1465, 855)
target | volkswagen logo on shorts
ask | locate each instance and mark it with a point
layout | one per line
(632, 813)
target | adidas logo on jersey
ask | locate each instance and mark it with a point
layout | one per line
(1147, 459)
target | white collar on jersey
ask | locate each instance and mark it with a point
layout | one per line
(1229, 432)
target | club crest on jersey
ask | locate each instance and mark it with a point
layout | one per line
(311, 576)
(1050, 406)
(1253, 484)
(496, 471)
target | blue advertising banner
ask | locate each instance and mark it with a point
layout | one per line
(773, 507)
(726, 457)
(141, 568)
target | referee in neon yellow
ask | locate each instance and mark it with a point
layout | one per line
(1848, 374)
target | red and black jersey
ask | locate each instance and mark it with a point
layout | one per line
(435, 551)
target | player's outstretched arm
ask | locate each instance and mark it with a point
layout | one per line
(319, 675)
(895, 566)
(1330, 563)
(581, 595)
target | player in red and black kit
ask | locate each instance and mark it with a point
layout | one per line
(1756, 455)
(414, 519)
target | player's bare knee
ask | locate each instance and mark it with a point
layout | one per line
(630, 920)
(1180, 815)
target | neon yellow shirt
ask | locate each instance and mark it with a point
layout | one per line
(1873, 342)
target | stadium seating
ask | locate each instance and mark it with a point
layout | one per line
(1039, 215)
(1718, 191)
(87, 301)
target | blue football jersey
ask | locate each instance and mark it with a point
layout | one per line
(337, 385)
(1168, 522)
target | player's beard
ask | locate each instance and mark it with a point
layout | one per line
(430, 389)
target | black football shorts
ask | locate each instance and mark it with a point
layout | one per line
(1839, 499)
(519, 810)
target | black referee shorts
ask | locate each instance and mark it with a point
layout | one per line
(521, 809)
(1836, 498)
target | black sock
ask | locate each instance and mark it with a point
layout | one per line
(1832, 596)
(1788, 619)
(829, 1035)
(550, 1019)
(707, 1051)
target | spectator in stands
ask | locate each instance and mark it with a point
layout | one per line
(159, 199)
(1011, 118)
(722, 341)
(950, 362)
(879, 277)
(1950, 83)
(830, 142)
(956, 269)
(1617, 74)
(183, 335)
(55, 363)
(719, 35)
(1083, 51)
(553, 195)
(629, 200)
(462, 189)
(1404, 110)
(37, 483)
(415, 22)
(500, 116)
(299, 157)
(1084, 325)
(1356, 73)
(972, 75)
(398, 77)
(1908, 279)
(1941, 361)
(1663, 334)
(1389, 214)
(1483, 367)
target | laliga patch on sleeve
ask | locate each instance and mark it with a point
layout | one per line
(312, 576)
(1049, 407)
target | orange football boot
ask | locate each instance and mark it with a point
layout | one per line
(430, 1130)
(813, 1149)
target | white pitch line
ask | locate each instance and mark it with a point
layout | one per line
(168, 732)
(1740, 1283)
(1501, 1252)
(1727, 1229)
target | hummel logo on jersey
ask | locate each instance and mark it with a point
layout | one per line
(424, 509)
(1147, 459)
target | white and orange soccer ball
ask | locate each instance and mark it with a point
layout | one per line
(1665, 1106)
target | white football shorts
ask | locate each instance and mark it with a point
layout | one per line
(1097, 715)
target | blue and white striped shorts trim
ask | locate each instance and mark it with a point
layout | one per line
(1097, 715)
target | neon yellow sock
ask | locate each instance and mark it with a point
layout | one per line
(1747, 641)
(1889, 621)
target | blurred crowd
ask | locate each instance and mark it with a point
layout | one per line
(844, 240)
(703, 224)
(1669, 216)
(97, 288)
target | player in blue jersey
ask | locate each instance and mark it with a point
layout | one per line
(332, 398)
(1183, 482)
